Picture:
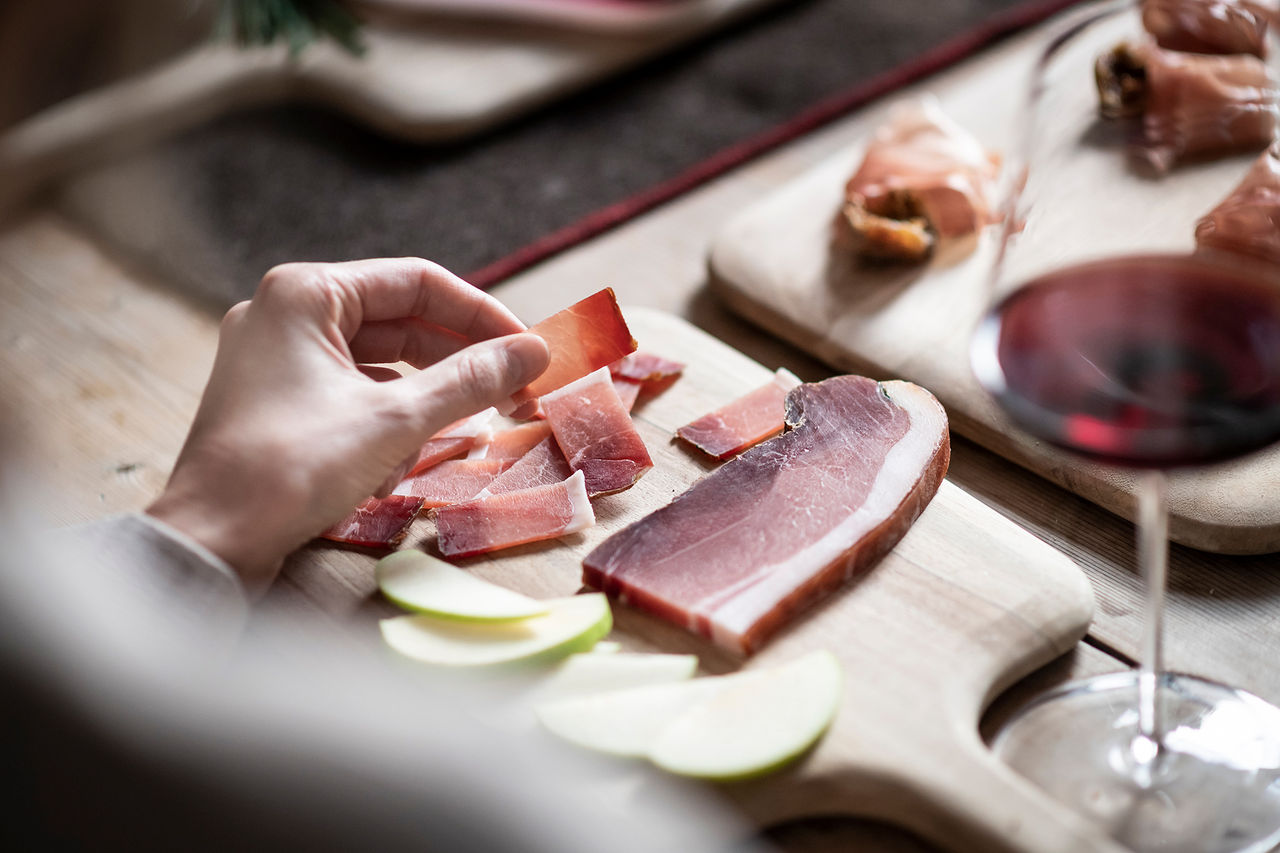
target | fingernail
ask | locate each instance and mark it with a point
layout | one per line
(528, 357)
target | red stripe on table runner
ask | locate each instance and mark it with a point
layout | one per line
(930, 62)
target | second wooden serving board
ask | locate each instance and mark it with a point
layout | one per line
(964, 605)
(776, 264)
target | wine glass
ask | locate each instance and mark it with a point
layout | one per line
(1111, 336)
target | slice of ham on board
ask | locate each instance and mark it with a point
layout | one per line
(376, 523)
(453, 480)
(596, 434)
(514, 518)
(511, 443)
(747, 548)
(543, 465)
(646, 367)
(584, 337)
(744, 422)
(456, 439)
(628, 392)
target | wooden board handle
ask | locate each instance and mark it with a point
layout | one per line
(983, 805)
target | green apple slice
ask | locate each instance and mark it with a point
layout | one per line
(586, 674)
(625, 722)
(754, 726)
(418, 581)
(571, 625)
(724, 727)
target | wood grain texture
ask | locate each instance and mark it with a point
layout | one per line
(776, 264)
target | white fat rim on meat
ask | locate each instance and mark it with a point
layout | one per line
(583, 515)
(754, 596)
(786, 380)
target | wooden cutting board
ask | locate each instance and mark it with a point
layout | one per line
(963, 606)
(774, 263)
(423, 79)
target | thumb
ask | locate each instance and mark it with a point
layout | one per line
(482, 375)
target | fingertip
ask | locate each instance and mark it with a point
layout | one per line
(528, 355)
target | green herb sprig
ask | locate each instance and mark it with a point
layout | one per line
(252, 23)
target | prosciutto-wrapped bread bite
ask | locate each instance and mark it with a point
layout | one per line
(1209, 26)
(1247, 221)
(924, 179)
(1192, 105)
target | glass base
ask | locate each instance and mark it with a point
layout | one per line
(1213, 787)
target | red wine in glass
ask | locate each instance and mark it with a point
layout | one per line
(1145, 361)
(1151, 362)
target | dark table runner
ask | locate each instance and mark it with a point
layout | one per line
(295, 183)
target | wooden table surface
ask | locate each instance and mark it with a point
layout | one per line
(105, 362)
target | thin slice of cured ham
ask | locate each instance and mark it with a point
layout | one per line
(746, 421)
(742, 552)
(923, 177)
(1247, 221)
(456, 439)
(628, 391)
(584, 337)
(377, 523)
(1208, 26)
(646, 367)
(511, 443)
(543, 465)
(514, 518)
(453, 480)
(596, 435)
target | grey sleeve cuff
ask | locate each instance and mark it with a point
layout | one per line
(183, 585)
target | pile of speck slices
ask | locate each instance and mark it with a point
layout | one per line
(589, 693)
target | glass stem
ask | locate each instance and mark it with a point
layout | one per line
(1153, 556)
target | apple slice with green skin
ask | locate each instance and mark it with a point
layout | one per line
(754, 726)
(724, 727)
(570, 625)
(587, 674)
(418, 581)
(626, 722)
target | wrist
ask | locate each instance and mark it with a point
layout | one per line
(255, 562)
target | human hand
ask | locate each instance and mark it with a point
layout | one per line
(298, 423)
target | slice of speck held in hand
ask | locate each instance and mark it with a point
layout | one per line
(418, 581)
(583, 337)
(377, 523)
(514, 518)
(596, 434)
(755, 725)
(751, 545)
(744, 422)
(570, 625)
